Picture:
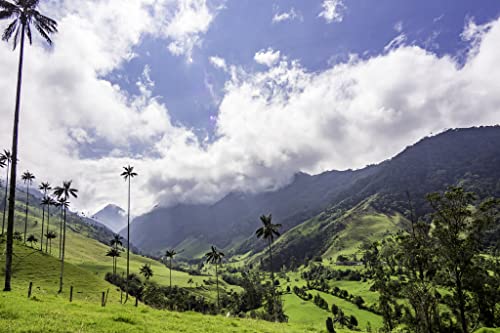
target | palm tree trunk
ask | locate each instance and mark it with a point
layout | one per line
(61, 277)
(170, 274)
(272, 277)
(128, 243)
(26, 218)
(43, 222)
(13, 170)
(217, 281)
(48, 229)
(5, 198)
(61, 233)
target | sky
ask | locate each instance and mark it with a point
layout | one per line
(207, 97)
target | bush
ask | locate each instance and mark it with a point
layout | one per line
(329, 325)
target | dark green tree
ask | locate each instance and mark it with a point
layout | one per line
(27, 178)
(114, 253)
(24, 14)
(215, 257)
(49, 236)
(147, 271)
(32, 239)
(128, 174)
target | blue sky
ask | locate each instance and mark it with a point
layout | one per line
(245, 27)
(206, 97)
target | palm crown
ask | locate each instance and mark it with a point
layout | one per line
(48, 201)
(66, 190)
(128, 173)
(170, 253)
(268, 230)
(45, 187)
(116, 241)
(28, 177)
(214, 256)
(24, 15)
(6, 156)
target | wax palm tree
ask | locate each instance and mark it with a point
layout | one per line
(24, 14)
(170, 254)
(116, 242)
(128, 174)
(114, 253)
(147, 271)
(48, 201)
(32, 239)
(27, 178)
(215, 257)
(6, 157)
(49, 236)
(44, 187)
(268, 231)
(63, 193)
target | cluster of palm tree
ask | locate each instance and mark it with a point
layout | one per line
(115, 249)
(24, 14)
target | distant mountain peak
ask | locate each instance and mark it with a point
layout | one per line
(112, 216)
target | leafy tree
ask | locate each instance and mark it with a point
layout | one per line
(329, 325)
(49, 236)
(32, 239)
(128, 174)
(63, 193)
(5, 157)
(147, 271)
(170, 254)
(27, 178)
(114, 253)
(44, 187)
(353, 321)
(24, 13)
(215, 257)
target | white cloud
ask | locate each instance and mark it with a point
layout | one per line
(267, 57)
(333, 11)
(398, 41)
(218, 62)
(398, 26)
(291, 15)
(270, 124)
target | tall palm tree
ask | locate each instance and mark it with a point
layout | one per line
(27, 178)
(147, 271)
(116, 242)
(114, 253)
(268, 231)
(170, 254)
(48, 201)
(44, 187)
(63, 193)
(215, 257)
(128, 174)
(32, 239)
(6, 157)
(49, 236)
(24, 13)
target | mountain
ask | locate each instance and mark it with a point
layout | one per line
(112, 216)
(316, 209)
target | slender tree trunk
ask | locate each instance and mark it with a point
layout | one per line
(272, 277)
(61, 232)
(5, 198)
(217, 281)
(61, 277)
(170, 274)
(26, 218)
(128, 243)
(13, 170)
(43, 222)
(48, 229)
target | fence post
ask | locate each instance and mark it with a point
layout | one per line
(29, 289)
(71, 294)
(106, 300)
(136, 301)
(103, 298)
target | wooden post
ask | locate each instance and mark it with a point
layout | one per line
(106, 300)
(103, 299)
(71, 294)
(136, 301)
(29, 289)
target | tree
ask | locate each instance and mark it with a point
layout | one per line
(114, 253)
(215, 257)
(128, 174)
(6, 157)
(458, 236)
(32, 239)
(24, 13)
(147, 271)
(49, 236)
(27, 178)
(268, 231)
(44, 187)
(48, 201)
(170, 254)
(329, 325)
(63, 193)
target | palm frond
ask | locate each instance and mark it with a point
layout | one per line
(7, 33)
(6, 5)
